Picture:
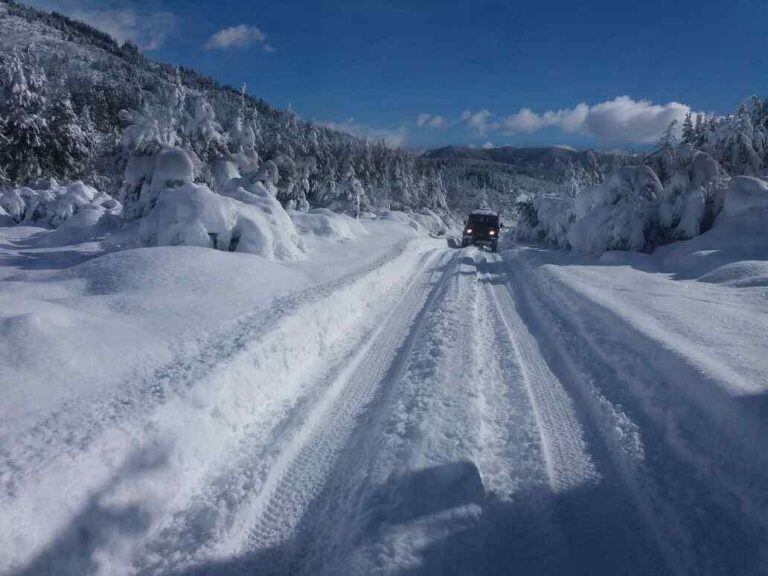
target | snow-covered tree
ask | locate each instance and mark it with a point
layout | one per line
(25, 128)
(689, 132)
(71, 144)
(668, 139)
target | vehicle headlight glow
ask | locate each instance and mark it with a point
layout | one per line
(492, 232)
(468, 231)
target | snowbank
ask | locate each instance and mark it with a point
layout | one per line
(243, 220)
(328, 224)
(424, 221)
(54, 205)
(735, 250)
(745, 194)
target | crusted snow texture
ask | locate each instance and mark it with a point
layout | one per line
(53, 205)
(246, 219)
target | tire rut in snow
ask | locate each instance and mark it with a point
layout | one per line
(267, 521)
(688, 476)
(446, 473)
(605, 531)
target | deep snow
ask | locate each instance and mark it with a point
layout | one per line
(385, 405)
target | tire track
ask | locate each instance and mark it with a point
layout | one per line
(269, 520)
(689, 477)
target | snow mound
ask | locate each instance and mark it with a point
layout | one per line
(326, 223)
(735, 250)
(241, 221)
(430, 222)
(745, 194)
(740, 274)
(424, 221)
(53, 206)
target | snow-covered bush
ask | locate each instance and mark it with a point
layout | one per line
(543, 219)
(632, 209)
(147, 174)
(347, 196)
(54, 205)
(245, 220)
(692, 197)
(618, 214)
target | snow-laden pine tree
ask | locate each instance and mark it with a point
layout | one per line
(70, 144)
(25, 132)
(151, 140)
(689, 132)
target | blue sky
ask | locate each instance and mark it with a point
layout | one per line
(587, 73)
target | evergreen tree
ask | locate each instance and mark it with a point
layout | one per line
(70, 144)
(26, 129)
(668, 139)
(699, 130)
(689, 133)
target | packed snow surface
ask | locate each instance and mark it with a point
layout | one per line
(386, 405)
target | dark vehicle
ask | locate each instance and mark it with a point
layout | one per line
(482, 229)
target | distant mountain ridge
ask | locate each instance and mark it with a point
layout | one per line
(547, 162)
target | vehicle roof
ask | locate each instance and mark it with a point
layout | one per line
(483, 212)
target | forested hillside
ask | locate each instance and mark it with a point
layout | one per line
(76, 105)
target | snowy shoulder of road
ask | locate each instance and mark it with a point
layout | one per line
(75, 320)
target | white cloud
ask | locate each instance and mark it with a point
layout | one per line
(394, 137)
(145, 28)
(425, 120)
(479, 122)
(488, 145)
(240, 36)
(621, 119)
(642, 120)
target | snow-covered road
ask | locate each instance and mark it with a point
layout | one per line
(435, 412)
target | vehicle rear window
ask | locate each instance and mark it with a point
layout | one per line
(483, 219)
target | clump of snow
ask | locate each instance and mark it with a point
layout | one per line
(53, 206)
(243, 220)
(745, 194)
(326, 223)
(147, 174)
(172, 166)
